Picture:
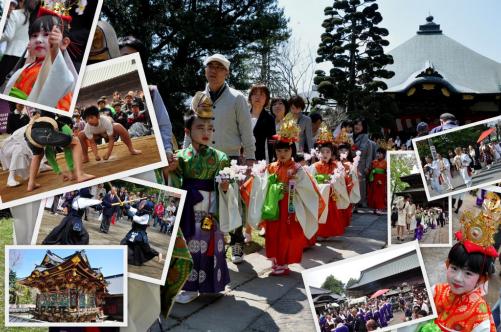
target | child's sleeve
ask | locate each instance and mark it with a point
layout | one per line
(68, 154)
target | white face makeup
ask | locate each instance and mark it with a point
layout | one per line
(284, 155)
(343, 154)
(202, 131)
(39, 44)
(461, 280)
(325, 154)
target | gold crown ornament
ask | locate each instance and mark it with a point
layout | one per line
(61, 8)
(343, 138)
(387, 145)
(289, 129)
(478, 230)
(202, 105)
(324, 135)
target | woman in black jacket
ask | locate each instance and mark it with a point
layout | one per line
(262, 121)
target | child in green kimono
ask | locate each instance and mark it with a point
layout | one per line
(195, 170)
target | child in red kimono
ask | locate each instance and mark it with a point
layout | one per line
(376, 193)
(330, 221)
(50, 77)
(292, 203)
(460, 302)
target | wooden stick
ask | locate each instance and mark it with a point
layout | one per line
(124, 202)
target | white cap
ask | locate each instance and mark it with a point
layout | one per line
(218, 58)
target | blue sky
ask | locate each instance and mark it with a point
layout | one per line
(473, 25)
(110, 260)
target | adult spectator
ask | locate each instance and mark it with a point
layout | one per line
(127, 107)
(363, 144)
(17, 118)
(262, 122)
(316, 121)
(447, 121)
(108, 209)
(422, 129)
(120, 117)
(279, 109)
(297, 107)
(16, 35)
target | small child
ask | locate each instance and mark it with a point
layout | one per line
(50, 78)
(290, 205)
(98, 127)
(460, 303)
(377, 183)
(418, 232)
(330, 223)
(195, 169)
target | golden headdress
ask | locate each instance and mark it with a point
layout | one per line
(343, 138)
(385, 144)
(202, 105)
(289, 130)
(477, 231)
(324, 135)
(60, 8)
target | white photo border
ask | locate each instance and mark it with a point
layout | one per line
(179, 193)
(421, 171)
(68, 324)
(388, 200)
(398, 252)
(81, 72)
(116, 176)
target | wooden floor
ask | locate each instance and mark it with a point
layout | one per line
(158, 241)
(120, 160)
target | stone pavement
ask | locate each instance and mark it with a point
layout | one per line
(255, 301)
(482, 176)
(439, 235)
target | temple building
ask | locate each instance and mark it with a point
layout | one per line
(392, 274)
(435, 74)
(69, 289)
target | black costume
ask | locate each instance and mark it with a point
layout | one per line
(139, 250)
(71, 230)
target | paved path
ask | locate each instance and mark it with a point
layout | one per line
(482, 176)
(255, 301)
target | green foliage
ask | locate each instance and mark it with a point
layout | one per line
(6, 232)
(400, 165)
(180, 34)
(334, 285)
(353, 43)
(350, 282)
(448, 142)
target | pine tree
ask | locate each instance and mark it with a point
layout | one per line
(353, 42)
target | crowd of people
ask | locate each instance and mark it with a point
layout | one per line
(376, 313)
(415, 219)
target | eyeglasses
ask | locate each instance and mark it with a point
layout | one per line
(215, 67)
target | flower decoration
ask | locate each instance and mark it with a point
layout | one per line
(233, 173)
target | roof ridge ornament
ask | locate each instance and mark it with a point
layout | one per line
(430, 28)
